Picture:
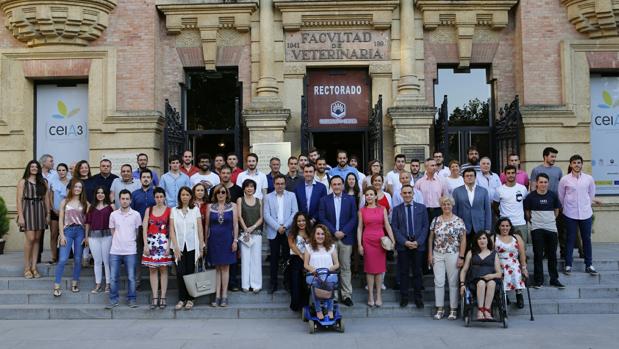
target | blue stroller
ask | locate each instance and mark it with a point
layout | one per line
(323, 284)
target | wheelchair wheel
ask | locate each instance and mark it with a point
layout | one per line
(311, 326)
(504, 322)
(340, 326)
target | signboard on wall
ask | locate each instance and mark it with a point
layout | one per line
(62, 122)
(604, 133)
(338, 98)
(266, 151)
(337, 45)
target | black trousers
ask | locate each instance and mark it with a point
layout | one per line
(544, 243)
(186, 265)
(298, 288)
(279, 248)
(233, 281)
(407, 260)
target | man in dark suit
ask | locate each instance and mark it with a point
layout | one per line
(472, 205)
(309, 192)
(409, 222)
(338, 211)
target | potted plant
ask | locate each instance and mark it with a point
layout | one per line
(4, 223)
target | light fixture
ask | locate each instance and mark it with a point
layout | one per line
(221, 144)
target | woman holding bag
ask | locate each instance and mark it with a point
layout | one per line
(187, 239)
(250, 220)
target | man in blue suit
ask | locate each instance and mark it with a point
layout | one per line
(309, 192)
(409, 222)
(280, 206)
(338, 211)
(472, 205)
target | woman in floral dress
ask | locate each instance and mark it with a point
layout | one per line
(156, 255)
(510, 248)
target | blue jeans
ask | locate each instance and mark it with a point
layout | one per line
(74, 236)
(130, 262)
(585, 226)
(314, 281)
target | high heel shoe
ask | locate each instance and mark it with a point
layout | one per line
(154, 304)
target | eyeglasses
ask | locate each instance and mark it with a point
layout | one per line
(221, 192)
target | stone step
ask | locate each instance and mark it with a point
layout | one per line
(258, 311)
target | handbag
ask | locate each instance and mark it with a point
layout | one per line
(246, 239)
(202, 282)
(386, 243)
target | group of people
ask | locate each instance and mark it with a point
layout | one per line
(464, 222)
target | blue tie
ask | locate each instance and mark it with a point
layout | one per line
(409, 220)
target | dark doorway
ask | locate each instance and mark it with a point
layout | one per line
(328, 143)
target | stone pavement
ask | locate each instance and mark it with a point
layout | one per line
(580, 331)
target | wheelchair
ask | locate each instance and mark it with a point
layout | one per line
(469, 305)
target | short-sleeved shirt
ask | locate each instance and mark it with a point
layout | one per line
(211, 178)
(98, 180)
(155, 178)
(172, 184)
(141, 200)
(125, 225)
(511, 202)
(542, 209)
(554, 174)
(393, 179)
(118, 184)
(447, 234)
(258, 177)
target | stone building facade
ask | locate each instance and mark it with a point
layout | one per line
(135, 54)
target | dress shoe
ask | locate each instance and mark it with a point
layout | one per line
(403, 303)
(419, 303)
(347, 302)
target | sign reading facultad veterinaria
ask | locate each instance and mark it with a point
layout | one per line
(337, 45)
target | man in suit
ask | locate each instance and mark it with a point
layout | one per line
(338, 212)
(309, 192)
(409, 222)
(472, 205)
(280, 207)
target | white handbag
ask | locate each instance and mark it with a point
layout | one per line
(202, 282)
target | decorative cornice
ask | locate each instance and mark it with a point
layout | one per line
(57, 22)
(375, 14)
(465, 15)
(208, 18)
(596, 18)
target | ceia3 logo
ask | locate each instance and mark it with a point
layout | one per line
(65, 126)
(338, 110)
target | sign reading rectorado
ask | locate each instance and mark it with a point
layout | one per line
(336, 45)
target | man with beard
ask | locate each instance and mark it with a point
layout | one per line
(187, 167)
(441, 169)
(321, 173)
(303, 160)
(343, 169)
(205, 176)
(473, 160)
(509, 202)
(232, 161)
(253, 173)
(143, 165)
(143, 198)
(393, 177)
(313, 155)
(225, 174)
(293, 177)
(415, 170)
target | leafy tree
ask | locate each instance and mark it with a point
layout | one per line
(475, 113)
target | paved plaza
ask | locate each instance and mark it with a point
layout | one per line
(578, 331)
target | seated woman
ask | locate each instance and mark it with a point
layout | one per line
(321, 253)
(485, 269)
(510, 248)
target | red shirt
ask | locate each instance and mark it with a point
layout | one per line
(235, 174)
(192, 170)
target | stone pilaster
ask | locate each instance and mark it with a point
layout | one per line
(412, 128)
(408, 85)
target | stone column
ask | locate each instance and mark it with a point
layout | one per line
(412, 128)
(408, 85)
(266, 118)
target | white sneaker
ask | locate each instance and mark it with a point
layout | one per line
(568, 270)
(383, 287)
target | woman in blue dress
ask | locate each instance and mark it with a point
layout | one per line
(222, 231)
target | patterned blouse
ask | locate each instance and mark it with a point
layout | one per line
(447, 234)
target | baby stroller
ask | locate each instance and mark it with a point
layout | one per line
(323, 285)
(499, 304)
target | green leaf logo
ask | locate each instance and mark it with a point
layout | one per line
(63, 112)
(62, 108)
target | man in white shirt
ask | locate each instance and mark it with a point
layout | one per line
(509, 200)
(252, 173)
(405, 178)
(441, 169)
(393, 177)
(205, 176)
(321, 173)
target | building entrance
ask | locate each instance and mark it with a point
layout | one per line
(328, 143)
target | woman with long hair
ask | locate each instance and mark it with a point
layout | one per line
(511, 250)
(321, 253)
(188, 241)
(351, 187)
(200, 199)
(58, 188)
(82, 170)
(250, 220)
(72, 224)
(33, 213)
(382, 197)
(298, 238)
(373, 223)
(156, 255)
(222, 232)
(99, 236)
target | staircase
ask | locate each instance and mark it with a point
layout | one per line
(33, 299)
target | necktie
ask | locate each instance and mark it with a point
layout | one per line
(409, 220)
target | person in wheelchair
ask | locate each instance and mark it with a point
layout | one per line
(485, 274)
(321, 254)
(511, 250)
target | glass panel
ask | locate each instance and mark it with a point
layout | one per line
(212, 144)
(482, 142)
(468, 96)
(454, 147)
(210, 100)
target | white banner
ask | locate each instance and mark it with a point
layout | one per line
(605, 133)
(62, 122)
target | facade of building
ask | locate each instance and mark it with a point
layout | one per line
(355, 74)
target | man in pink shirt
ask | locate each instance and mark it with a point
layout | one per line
(521, 176)
(577, 194)
(124, 224)
(432, 187)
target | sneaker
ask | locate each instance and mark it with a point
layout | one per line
(132, 304)
(557, 284)
(383, 287)
(568, 270)
(591, 270)
(112, 305)
(537, 286)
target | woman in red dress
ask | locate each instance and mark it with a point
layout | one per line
(373, 222)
